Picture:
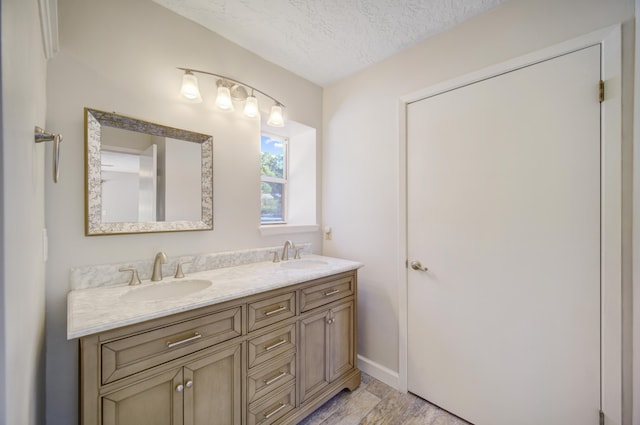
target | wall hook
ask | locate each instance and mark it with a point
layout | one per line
(42, 135)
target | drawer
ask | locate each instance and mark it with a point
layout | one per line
(272, 344)
(129, 355)
(272, 408)
(271, 310)
(326, 292)
(269, 377)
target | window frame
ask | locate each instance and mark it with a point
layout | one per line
(281, 180)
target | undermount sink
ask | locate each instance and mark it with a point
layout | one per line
(304, 264)
(161, 291)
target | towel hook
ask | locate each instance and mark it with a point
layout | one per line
(42, 135)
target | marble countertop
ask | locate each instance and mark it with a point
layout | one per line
(94, 310)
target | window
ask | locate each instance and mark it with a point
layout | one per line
(288, 180)
(273, 181)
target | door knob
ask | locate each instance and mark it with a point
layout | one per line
(416, 265)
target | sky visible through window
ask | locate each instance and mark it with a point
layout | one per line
(271, 145)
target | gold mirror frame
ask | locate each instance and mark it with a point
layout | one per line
(94, 121)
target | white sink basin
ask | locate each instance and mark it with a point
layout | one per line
(162, 291)
(304, 264)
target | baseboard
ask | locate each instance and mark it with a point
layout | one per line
(379, 372)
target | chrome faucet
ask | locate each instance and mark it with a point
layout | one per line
(160, 259)
(285, 251)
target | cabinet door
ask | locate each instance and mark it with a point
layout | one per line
(314, 354)
(212, 393)
(341, 344)
(155, 401)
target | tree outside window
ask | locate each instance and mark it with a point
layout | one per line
(273, 178)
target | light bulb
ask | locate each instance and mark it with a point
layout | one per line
(251, 107)
(190, 88)
(223, 100)
(275, 117)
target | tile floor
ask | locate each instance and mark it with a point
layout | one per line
(377, 403)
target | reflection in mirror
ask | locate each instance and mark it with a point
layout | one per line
(145, 177)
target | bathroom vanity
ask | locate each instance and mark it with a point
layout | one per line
(264, 344)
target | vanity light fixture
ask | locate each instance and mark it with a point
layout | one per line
(223, 99)
(275, 118)
(230, 90)
(190, 88)
(251, 106)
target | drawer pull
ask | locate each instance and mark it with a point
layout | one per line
(195, 336)
(274, 411)
(277, 344)
(335, 291)
(277, 310)
(275, 378)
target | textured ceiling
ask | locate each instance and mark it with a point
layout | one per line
(326, 40)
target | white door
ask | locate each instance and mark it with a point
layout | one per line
(504, 210)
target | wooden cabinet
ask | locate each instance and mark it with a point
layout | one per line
(213, 389)
(327, 348)
(202, 392)
(271, 358)
(314, 356)
(153, 401)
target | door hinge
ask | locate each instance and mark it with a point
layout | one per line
(601, 417)
(601, 91)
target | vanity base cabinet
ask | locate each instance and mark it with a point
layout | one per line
(205, 391)
(269, 358)
(213, 389)
(342, 350)
(314, 365)
(326, 348)
(151, 402)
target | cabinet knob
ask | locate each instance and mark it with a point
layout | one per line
(189, 384)
(179, 388)
(330, 321)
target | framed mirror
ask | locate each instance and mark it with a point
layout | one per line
(143, 177)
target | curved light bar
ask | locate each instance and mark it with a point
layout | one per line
(230, 89)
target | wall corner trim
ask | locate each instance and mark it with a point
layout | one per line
(49, 27)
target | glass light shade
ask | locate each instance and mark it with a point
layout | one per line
(275, 117)
(223, 99)
(190, 88)
(251, 107)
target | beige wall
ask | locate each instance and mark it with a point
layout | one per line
(361, 145)
(121, 55)
(23, 301)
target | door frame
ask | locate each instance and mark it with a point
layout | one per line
(611, 207)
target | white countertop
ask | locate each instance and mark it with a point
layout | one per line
(94, 310)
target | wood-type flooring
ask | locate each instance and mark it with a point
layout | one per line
(374, 402)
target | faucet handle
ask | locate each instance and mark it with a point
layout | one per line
(179, 272)
(135, 280)
(276, 259)
(297, 254)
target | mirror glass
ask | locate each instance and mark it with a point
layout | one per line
(143, 177)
